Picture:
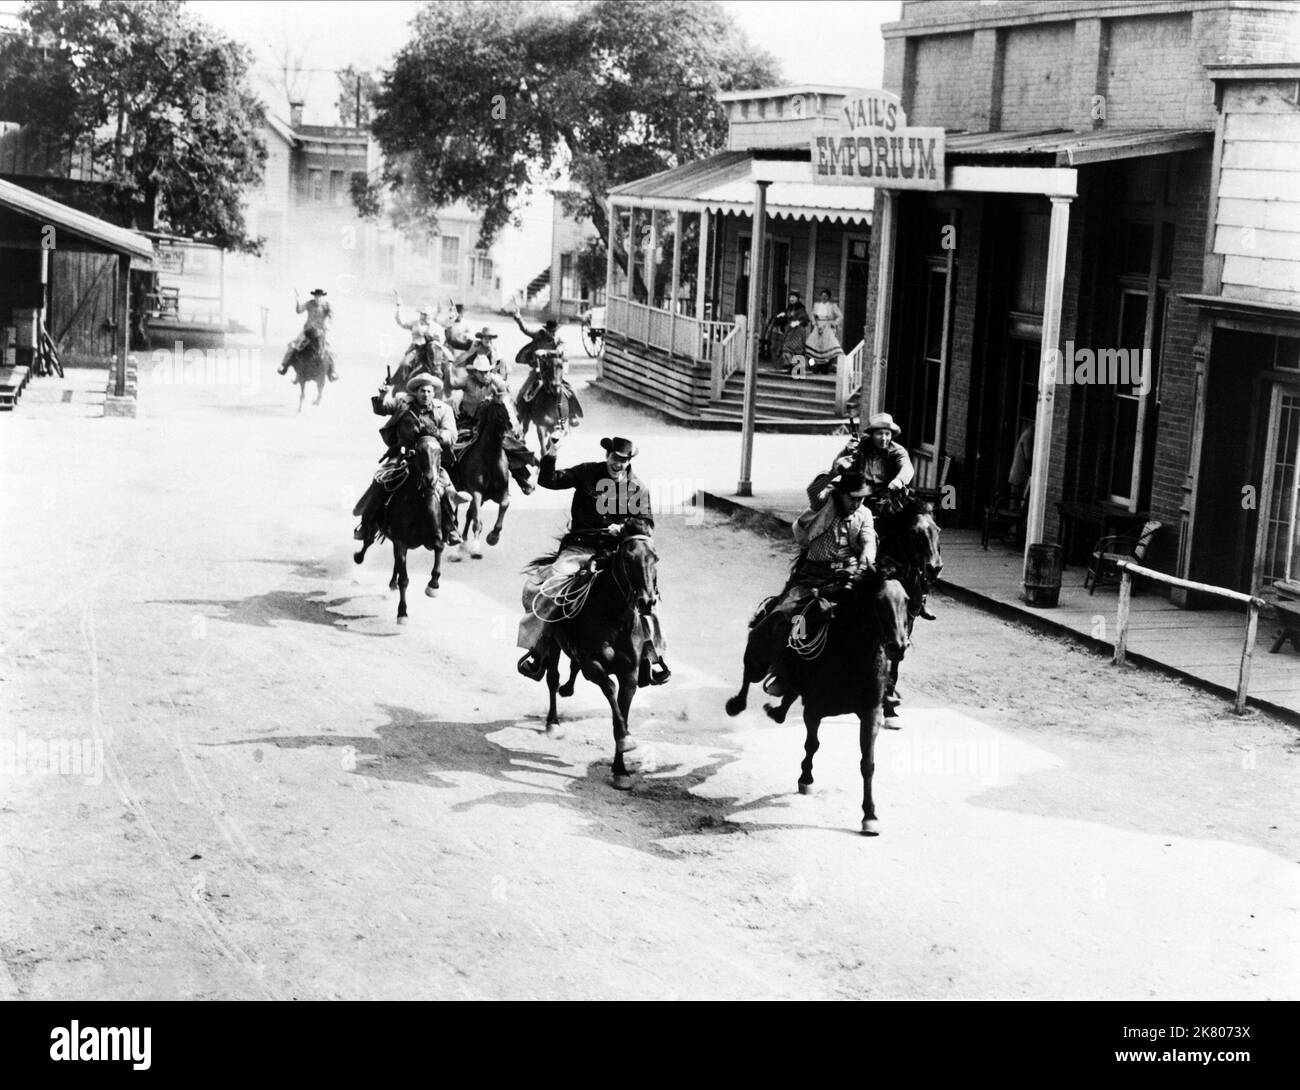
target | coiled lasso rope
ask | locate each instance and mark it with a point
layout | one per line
(810, 647)
(566, 597)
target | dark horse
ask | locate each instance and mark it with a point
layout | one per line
(412, 518)
(483, 471)
(846, 674)
(310, 363)
(541, 411)
(606, 635)
(909, 552)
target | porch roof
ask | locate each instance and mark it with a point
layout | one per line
(1072, 147)
(79, 224)
(725, 183)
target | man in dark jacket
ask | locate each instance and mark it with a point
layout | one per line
(608, 498)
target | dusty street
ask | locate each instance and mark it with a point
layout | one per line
(293, 797)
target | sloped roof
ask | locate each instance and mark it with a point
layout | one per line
(1071, 148)
(725, 183)
(82, 224)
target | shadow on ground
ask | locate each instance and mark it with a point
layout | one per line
(260, 610)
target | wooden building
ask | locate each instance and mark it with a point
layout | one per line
(678, 284)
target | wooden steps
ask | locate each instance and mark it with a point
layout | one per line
(13, 380)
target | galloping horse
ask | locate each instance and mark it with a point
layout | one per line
(483, 471)
(909, 552)
(541, 410)
(605, 636)
(412, 518)
(843, 669)
(310, 364)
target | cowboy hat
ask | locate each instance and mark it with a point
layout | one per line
(427, 308)
(320, 291)
(483, 334)
(551, 324)
(882, 421)
(418, 381)
(851, 484)
(624, 448)
(479, 364)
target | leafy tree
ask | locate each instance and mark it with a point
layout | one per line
(488, 97)
(158, 98)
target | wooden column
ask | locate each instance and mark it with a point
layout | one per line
(810, 292)
(702, 266)
(1048, 371)
(755, 331)
(651, 250)
(612, 213)
(122, 315)
(873, 381)
(676, 279)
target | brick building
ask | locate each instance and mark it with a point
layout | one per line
(1084, 210)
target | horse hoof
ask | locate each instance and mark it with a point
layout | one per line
(805, 789)
(775, 712)
(401, 620)
(358, 557)
(622, 783)
(457, 555)
(870, 827)
(626, 744)
(392, 585)
(735, 705)
(431, 591)
(476, 554)
(565, 690)
(494, 537)
(554, 730)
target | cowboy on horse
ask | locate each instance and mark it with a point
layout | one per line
(479, 384)
(609, 502)
(546, 366)
(887, 469)
(313, 331)
(415, 416)
(425, 353)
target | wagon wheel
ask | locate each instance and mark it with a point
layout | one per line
(593, 340)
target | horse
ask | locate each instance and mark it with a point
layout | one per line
(605, 637)
(310, 364)
(541, 410)
(412, 518)
(909, 552)
(840, 670)
(482, 470)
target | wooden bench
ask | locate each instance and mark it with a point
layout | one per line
(1286, 601)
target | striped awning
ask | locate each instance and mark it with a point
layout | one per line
(725, 183)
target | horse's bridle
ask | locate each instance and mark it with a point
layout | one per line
(620, 579)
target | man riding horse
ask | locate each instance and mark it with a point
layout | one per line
(313, 335)
(544, 358)
(609, 502)
(425, 354)
(887, 468)
(478, 385)
(416, 414)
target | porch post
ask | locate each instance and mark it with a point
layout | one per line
(677, 272)
(1049, 368)
(873, 384)
(702, 267)
(613, 213)
(752, 336)
(810, 290)
(122, 331)
(651, 251)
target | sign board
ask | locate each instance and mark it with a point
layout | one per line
(169, 259)
(870, 143)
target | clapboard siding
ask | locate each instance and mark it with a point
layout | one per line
(677, 385)
(1257, 223)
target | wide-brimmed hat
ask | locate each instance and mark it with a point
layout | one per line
(882, 421)
(428, 308)
(419, 381)
(624, 448)
(484, 334)
(479, 364)
(851, 484)
(551, 324)
(319, 291)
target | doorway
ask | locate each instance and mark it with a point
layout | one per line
(853, 303)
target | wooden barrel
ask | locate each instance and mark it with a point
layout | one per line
(1043, 575)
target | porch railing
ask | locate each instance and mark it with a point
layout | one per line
(727, 352)
(848, 378)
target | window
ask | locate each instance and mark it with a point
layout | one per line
(481, 271)
(316, 185)
(337, 193)
(450, 273)
(568, 290)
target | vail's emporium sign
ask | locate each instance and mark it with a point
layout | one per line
(871, 144)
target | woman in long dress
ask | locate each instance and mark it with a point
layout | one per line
(823, 346)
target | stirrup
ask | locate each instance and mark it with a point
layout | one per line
(531, 667)
(774, 686)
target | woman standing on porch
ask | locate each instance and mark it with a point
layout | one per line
(823, 344)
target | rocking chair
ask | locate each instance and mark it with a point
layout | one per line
(1113, 548)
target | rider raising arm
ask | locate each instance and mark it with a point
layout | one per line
(606, 495)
